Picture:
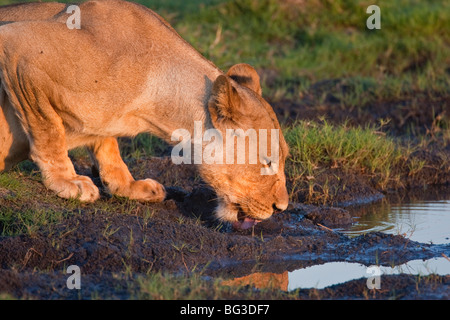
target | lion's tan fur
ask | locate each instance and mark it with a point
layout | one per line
(124, 72)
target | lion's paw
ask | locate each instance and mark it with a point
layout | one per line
(147, 190)
(78, 187)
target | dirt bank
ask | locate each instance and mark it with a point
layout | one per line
(117, 236)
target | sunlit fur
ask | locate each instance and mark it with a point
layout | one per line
(124, 72)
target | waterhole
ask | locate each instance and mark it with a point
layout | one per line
(426, 221)
(422, 217)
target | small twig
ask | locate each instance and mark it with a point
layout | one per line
(28, 256)
(218, 37)
(59, 261)
(445, 256)
(184, 262)
(320, 225)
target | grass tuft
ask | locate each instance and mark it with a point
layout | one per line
(318, 144)
(316, 147)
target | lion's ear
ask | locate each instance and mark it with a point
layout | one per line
(225, 102)
(246, 76)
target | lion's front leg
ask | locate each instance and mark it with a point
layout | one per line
(116, 177)
(45, 132)
(48, 150)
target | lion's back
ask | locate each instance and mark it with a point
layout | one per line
(30, 11)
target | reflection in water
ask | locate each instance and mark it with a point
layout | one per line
(322, 276)
(422, 221)
(262, 280)
(419, 220)
(331, 273)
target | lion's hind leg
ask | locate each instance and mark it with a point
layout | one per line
(14, 146)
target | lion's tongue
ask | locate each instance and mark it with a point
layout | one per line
(245, 224)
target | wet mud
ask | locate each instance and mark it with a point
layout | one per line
(181, 235)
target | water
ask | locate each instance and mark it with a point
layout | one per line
(331, 273)
(426, 221)
(324, 275)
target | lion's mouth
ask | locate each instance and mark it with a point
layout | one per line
(243, 221)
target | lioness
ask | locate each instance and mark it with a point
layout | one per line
(125, 71)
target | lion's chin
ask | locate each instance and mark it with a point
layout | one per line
(231, 213)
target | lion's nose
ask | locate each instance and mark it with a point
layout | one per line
(281, 199)
(279, 207)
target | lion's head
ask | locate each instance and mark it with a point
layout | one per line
(252, 188)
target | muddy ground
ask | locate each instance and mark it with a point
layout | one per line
(116, 241)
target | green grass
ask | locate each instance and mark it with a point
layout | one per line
(316, 147)
(142, 145)
(328, 39)
(316, 144)
(159, 286)
(6, 296)
(13, 222)
(21, 191)
(319, 39)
